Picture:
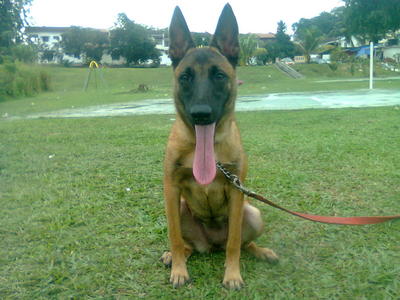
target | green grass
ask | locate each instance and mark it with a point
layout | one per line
(82, 207)
(120, 85)
(82, 212)
(67, 83)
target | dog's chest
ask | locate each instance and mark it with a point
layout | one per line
(206, 202)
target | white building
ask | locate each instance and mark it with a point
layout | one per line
(48, 39)
(162, 44)
(392, 52)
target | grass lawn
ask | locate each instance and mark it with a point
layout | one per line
(82, 212)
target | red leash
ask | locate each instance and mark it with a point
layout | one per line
(322, 219)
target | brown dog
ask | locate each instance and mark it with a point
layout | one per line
(204, 211)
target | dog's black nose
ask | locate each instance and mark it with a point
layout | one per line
(201, 114)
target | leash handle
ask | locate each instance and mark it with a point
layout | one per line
(234, 179)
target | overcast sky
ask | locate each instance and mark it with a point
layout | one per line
(201, 15)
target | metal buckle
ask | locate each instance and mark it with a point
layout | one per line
(234, 179)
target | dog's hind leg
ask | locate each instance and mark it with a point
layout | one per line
(252, 228)
(166, 258)
(261, 253)
(192, 231)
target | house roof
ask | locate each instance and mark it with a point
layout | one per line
(37, 29)
(265, 35)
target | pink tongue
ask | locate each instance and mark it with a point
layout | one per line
(204, 169)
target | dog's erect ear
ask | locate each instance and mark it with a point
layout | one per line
(180, 40)
(226, 36)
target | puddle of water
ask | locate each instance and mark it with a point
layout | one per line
(285, 101)
(359, 98)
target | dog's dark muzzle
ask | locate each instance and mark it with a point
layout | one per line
(201, 114)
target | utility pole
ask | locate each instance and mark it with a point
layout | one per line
(371, 65)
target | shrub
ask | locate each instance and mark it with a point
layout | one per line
(352, 69)
(333, 66)
(66, 63)
(17, 79)
(339, 56)
(44, 81)
(25, 53)
(261, 56)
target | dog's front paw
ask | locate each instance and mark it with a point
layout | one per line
(179, 276)
(233, 281)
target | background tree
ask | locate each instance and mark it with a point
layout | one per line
(272, 51)
(248, 45)
(309, 42)
(97, 43)
(340, 29)
(261, 56)
(372, 19)
(283, 44)
(91, 43)
(339, 56)
(73, 40)
(12, 19)
(132, 41)
(326, 24)
(201, 38)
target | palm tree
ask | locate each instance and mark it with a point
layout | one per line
(309, 41)
(248, 45)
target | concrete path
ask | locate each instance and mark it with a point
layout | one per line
(281, 101)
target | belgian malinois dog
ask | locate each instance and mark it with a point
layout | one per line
(204, 211)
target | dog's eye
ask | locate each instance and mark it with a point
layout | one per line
(184, 77)
(219, 76)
